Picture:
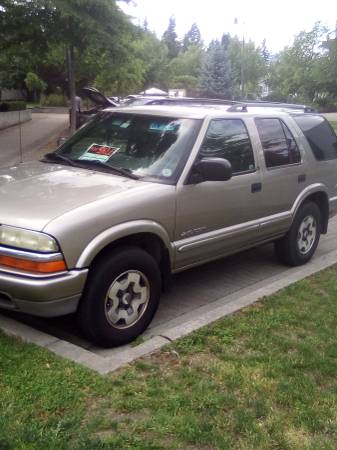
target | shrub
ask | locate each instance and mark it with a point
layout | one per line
(54, 100)
(12, 105)
(326, 104)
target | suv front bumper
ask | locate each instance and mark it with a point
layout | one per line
(42, 296)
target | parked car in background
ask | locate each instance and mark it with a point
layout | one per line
(141, 100)
(140, 193)
(99, 102)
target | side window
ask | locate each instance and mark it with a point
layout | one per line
(229, 139)
(279, 145)
(319, 134)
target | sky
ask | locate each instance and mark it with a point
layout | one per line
(276, 21)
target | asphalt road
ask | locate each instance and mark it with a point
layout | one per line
(36, 135)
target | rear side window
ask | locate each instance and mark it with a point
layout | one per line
(279, 145)
(319, 134)
(229, 139)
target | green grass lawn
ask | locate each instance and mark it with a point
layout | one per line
(263, 378)
(334, 125)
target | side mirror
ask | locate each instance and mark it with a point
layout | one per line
(61, 141)
(211, 169)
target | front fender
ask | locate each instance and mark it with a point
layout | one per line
(121, 231)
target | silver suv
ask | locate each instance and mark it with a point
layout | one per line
(139, 193)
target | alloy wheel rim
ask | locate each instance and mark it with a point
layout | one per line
(127, 299)
(306, 235)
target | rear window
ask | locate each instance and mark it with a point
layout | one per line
(319, 134)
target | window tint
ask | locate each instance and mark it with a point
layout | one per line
(228, 139)
(279, 145)
(320, 135)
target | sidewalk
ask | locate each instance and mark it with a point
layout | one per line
(331, 116)
(35, 137)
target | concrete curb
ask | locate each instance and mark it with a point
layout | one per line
(106, 361)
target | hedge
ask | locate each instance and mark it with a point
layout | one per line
(17, 105)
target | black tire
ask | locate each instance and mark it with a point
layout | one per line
(288, 249)
(94, 305)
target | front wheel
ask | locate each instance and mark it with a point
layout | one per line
(121, 297)
(299, 244)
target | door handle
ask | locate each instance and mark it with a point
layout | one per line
(256, 187)
(301, 178)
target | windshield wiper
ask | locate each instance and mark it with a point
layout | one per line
(85, 163)
(57, 158)
(100, 165)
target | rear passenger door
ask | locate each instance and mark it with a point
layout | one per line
(215, 218)
(284, 175)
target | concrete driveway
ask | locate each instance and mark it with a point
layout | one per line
(34, 137)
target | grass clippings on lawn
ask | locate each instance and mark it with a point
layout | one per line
(263, 378)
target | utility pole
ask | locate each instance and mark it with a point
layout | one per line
(72, 88)
(242, 75)
(242, 67)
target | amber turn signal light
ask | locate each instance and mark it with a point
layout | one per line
(33, 266)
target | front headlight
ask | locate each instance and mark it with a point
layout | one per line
(27, 240)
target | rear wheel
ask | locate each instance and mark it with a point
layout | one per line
(299, 244)
(121, 297)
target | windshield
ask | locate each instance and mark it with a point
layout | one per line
(146, 146)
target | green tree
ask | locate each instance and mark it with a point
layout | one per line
(35, 85)
(170, 39)
(154, 57)
(184, 70)
(22, 42)
(297, 72)
(192, 37)
(75, 25)
(328, 71)
(216, 74)
(85, 23)
(249, 68)
(265, 53)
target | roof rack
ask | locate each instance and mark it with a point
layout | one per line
(263, 104)
(235, 106)
(191, 101)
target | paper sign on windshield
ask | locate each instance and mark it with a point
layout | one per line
(98, 152)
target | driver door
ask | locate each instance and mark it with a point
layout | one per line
(216, 218)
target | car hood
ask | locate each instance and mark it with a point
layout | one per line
(33, 194)
(98, 98)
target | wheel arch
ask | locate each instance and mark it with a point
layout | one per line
(148, 235)
(318, 194)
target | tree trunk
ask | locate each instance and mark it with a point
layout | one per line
(72, 88)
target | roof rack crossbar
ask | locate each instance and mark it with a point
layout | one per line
(189, 100)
